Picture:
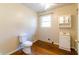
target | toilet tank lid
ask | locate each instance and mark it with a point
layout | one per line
(22, 34)
(27, 42)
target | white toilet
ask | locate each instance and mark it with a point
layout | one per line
(25, 43)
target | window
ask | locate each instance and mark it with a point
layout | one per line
(45, 21)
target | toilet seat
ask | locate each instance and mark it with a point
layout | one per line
(27, 43)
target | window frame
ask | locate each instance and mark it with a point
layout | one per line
(42, 22)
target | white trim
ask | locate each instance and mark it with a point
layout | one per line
(13, 51)
(34, 41)
(78, 31)
(76, 49)
(56, 43)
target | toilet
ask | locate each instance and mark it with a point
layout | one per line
(25, 44)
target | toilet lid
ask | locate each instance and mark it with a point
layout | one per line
(27, 43)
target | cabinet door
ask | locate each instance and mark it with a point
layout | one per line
(64, 43)
(61, 20)
(67, 19)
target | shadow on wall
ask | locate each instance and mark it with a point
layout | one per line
(14, 19)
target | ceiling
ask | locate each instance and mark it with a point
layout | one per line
(37, 7)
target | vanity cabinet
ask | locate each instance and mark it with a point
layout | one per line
(64, 41)
(64, 35)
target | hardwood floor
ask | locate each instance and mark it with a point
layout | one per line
(20, 52)
(44, 48)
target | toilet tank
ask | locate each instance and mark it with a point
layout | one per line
(23, 37)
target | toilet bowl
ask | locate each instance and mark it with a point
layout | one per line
(27, 47)
(25, 43)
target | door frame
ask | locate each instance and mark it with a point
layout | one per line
(78, 31)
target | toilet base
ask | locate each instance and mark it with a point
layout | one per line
(27, 50)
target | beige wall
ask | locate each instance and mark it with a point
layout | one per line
(53, 32)
(15, 19)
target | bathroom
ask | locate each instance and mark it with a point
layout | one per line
(24, 23)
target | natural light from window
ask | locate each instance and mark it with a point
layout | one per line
(45, 21)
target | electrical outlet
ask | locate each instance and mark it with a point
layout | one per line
(48, 39)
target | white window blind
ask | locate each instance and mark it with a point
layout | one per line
(45, 21)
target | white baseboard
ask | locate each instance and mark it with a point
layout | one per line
(14, 51)
(56, 43)
(76, 50)
(35, 41)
